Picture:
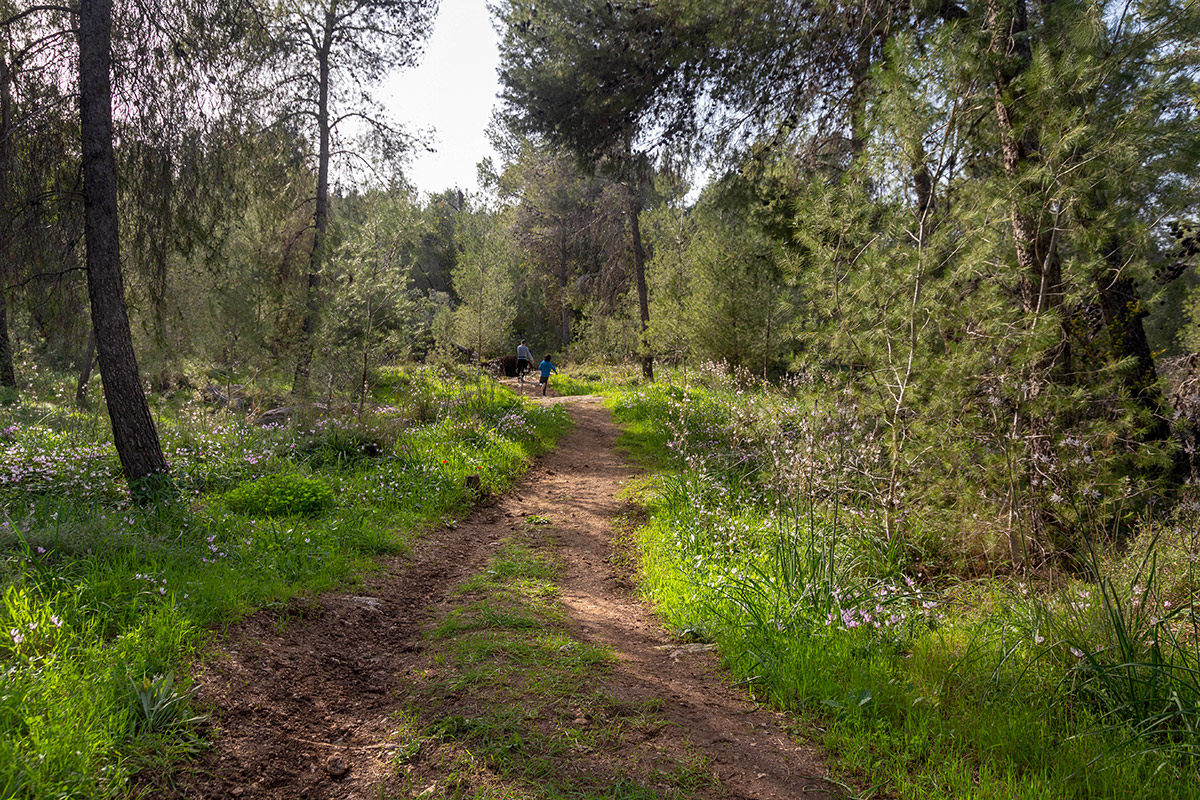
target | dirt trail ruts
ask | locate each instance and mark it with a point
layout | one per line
(303, 693)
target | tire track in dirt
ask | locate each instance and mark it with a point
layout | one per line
(303, 697)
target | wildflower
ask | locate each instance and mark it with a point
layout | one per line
(1076, 653)
(55, 621)
(16, 635)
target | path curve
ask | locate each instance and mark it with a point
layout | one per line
(301, 693)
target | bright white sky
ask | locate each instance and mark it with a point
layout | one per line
(453, 92)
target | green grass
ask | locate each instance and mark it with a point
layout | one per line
(922, 686)
(575, 385)
(105, 605)
(595, 379)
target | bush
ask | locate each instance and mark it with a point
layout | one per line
(281, 495)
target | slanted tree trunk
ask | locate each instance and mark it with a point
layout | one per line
(316, 259)
(134, 434)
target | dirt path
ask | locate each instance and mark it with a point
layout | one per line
(307, 697)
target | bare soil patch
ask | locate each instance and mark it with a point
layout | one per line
(305, 698)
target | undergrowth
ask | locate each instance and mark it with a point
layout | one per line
(106, 604)
(761, 538)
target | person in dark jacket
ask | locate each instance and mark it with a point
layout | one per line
(524, 361)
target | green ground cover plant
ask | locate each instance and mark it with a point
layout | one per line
(281, 495)
(762, 537)
(104, 604)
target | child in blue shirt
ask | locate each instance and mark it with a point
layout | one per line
(547, 366)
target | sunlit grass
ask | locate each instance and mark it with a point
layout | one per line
(924, 685)
(106, 604)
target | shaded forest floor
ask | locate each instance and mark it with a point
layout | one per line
(509, 656)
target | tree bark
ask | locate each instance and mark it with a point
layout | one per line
(8, 374)
(134, 434)
(1036, 250)
(563, 283)
(316, 259)
(639, 271)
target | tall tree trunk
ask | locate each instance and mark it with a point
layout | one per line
(860, 87)
(158, 283)
(563, 283)
(639, 271)
(923, 190)
(316, 259)
(8, 375)
(134, 434)
(1035, 243)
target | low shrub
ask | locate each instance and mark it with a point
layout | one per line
(281, 495)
